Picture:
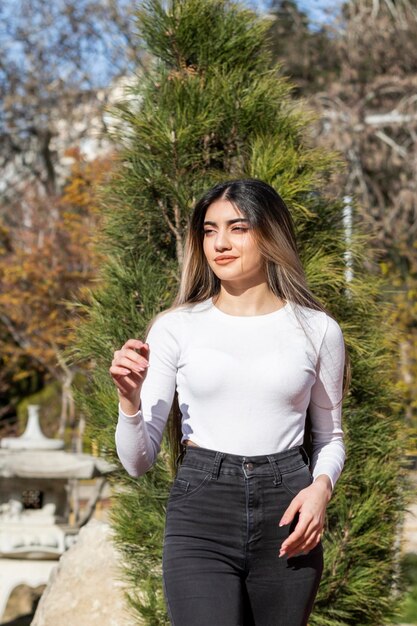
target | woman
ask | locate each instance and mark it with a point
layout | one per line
(248, 349)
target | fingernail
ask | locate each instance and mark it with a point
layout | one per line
(282, 523)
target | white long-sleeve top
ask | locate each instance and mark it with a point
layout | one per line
(244, 384)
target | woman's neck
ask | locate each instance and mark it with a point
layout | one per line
(249, 302)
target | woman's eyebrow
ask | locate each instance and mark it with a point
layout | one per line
(239, 219)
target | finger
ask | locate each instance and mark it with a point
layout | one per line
(299, 530)
(132, 364)
(137, 344)
(145, 349)
(133, 355)
(305, 546)
(118, 371)
(134, 343)
(130, 378)
(290, 511)
(293, 542)
(304, 527)
(297, 546)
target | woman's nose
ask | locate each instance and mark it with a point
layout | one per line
(222, 240)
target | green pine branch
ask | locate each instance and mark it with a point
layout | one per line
(211, 106)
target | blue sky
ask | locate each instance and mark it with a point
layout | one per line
(318, 11)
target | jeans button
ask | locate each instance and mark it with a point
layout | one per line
(249, 466)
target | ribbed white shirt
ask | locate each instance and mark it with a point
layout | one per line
(244, 384)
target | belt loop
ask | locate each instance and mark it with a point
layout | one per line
(275, 469)
(305, 455)
(216, 465)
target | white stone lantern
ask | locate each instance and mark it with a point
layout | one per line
(38, 481)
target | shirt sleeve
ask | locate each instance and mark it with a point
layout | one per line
(328, 455)
(138, 437)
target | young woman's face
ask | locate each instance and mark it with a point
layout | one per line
(228, 233)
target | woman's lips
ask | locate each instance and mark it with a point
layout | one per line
(224, 261)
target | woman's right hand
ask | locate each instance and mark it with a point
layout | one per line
(129, 368)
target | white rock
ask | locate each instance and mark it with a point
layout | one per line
(85, 588)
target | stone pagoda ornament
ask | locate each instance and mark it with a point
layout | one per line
(39, 484)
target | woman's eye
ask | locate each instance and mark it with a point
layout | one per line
(239, 228)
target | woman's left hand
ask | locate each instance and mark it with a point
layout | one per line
(311, 502)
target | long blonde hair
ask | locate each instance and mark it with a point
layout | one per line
(274, 232)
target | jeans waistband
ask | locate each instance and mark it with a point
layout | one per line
(218, 462)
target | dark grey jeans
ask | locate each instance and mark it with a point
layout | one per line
(222, 540)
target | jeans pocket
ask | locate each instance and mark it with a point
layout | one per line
(297, 479)
(188, 481)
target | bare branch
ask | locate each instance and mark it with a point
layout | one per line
(390, 142)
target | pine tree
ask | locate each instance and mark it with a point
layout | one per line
(210, 106)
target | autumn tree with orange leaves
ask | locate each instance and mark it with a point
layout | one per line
(46, 263)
